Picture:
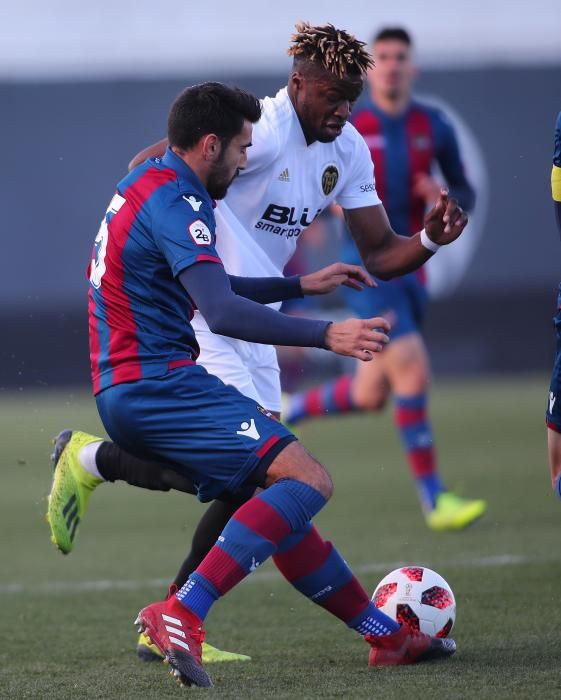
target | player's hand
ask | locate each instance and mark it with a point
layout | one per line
(329, 278)
(427, 188)
(446, 220)
(359, 338)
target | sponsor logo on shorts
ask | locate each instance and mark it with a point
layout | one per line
(552, 400)
(249, 430)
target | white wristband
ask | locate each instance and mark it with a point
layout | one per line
(427, 243)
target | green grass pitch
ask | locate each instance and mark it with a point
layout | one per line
(67, 627)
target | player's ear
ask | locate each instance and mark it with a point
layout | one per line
(211, 147)
(297, 80)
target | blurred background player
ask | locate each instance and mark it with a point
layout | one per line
(406, 138)
(553, 414)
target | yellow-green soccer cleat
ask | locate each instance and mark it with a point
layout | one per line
(453, 512)
(146, 651)
(71, 488)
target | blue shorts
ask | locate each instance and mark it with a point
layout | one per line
(206, 430)
(406, 297)
(553, 412)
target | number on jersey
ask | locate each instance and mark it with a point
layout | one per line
(97, 268)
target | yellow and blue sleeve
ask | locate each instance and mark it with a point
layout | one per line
(556, 169)
(556, 183)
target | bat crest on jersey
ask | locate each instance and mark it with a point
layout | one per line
(329, 179)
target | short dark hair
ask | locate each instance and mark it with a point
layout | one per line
(210, 108)
(393, 33)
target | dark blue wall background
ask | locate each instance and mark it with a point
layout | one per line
(64, 146)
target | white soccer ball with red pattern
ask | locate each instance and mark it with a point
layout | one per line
(418, 597)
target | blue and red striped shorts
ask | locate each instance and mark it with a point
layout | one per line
(206, 430)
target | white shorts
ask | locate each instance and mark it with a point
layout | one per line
(252, 368)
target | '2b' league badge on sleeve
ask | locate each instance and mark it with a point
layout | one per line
(200, 233)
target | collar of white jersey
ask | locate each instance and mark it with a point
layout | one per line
(283, 96)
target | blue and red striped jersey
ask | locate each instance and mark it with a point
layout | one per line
(404, 146)
(159, 222)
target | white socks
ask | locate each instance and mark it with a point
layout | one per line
(87, 458)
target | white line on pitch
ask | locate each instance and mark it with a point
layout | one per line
(50, 587)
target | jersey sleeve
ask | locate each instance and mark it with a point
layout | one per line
(447, 152)
(185, 236)
(359, 189)
(556, 168)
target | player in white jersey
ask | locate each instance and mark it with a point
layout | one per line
(304, 156)
(286, 184)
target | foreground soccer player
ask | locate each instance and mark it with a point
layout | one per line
(405, 138)
(154, 261)
(304, 156)
(553, 413)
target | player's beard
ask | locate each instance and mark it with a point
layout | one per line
(219, 181)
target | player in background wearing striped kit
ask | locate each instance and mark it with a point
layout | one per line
(405, 137)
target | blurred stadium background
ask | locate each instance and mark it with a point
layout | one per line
(82, 88)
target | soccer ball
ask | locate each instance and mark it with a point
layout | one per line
(418, 597)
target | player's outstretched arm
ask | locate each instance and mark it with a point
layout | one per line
(232, 315)
(267, 290)
(154, 151)
(386, 254)
(450, 161)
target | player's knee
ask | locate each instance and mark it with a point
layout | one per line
(295, 462)
(324, 484)
(375, 401)
(411, 375)
(316, 476)
(369, 396)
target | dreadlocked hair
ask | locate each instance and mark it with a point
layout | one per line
(335, 49)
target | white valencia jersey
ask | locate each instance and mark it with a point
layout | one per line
(285, 185)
